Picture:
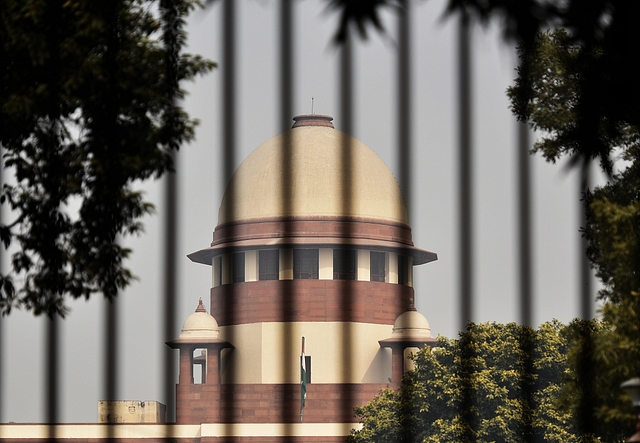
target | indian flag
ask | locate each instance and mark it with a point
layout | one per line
(303, 381)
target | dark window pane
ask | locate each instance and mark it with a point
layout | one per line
(305, 263)
(238, 267)
(378, 270)
(344, 264)
(269, 265)
(403, 270)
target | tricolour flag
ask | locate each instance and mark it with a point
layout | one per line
(303, 381)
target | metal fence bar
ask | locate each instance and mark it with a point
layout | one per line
(170, 283)
(465, 177)
(51, 375)
(404, 101)
(346, 92)
(465, 172)
(524, 225)
(586, 300)
(111, 356)
(228, 62)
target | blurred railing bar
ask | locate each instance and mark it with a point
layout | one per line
(170, 283)
(229, 91)
(524, 225)
(586, 301)
(288, 298)
(286, 65)
(111, 355)
(346, 92)
(465, 170)
(525, 279)
(51, 376)
(404, 102)
(465, 178)
(228, 63)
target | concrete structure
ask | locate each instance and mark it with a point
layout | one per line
(312, 241)
(131, 411)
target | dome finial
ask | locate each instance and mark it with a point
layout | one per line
(312, 120)
(200, 307)
(411, 306)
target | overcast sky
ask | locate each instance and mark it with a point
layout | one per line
(433, 211)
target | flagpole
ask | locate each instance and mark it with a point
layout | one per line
(303, 381)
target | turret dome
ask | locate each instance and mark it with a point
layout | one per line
(200, 326)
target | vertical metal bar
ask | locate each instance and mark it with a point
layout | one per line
(524, 226)
(525, 266)
(2, 252)
(111, 356)
(346, 115)
(286, 109)
(404, 101)
(228, 162)
(465, 163)
(404, 147)
(586, 301)
(229, 90)
(286, 64)
(170, 284)
(466, 223)
(51, 375)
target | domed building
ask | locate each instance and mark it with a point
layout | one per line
(312, 248)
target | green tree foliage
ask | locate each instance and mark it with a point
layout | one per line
(550, 95)
(495, 383)
(89, 94)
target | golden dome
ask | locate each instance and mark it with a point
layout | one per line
(312, 171)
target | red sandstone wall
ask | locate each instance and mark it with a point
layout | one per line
(309, 300)
(262, 403)
(367, 229)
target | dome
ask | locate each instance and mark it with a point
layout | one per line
(411, 325)
(200, 326)
(321, 166)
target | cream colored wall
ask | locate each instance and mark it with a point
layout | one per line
(215, 271)
(392, 269)
(325, 264)
(244, 363)
(409, 364)
(131, 411)
(364, 264)
(340, 352)
(286, 264)
(251, 265)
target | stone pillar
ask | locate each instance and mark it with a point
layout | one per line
(186, 368)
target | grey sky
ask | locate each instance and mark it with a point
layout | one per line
(433, 211)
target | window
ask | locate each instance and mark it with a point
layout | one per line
(199, 366)
(377, 262)
(269, 265)
(305, 263)
(344, 264)
(307, 367)
(403, 270)
(238, 267)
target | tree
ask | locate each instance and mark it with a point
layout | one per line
(507, 401)
(89, 105)
(549, 93)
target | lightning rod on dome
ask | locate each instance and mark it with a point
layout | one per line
(312, 105)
